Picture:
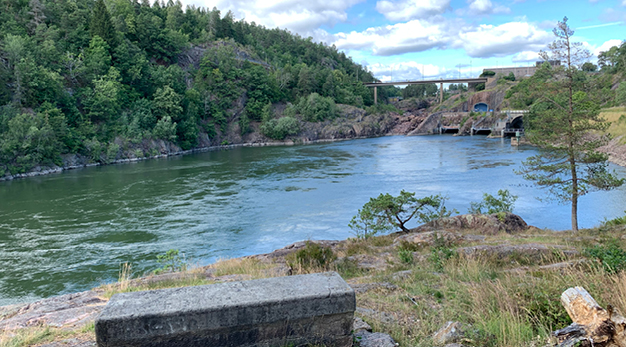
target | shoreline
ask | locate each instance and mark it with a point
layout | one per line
(614, 158)
(59, 169)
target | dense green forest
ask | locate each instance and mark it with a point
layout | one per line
(78, 76)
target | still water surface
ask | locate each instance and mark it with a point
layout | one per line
(69, 232)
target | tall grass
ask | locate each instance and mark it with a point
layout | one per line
(618, 123)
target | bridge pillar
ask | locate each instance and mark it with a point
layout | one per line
(375, 95)
(440, 93)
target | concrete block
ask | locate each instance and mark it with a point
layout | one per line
(281, 311)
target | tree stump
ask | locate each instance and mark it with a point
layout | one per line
(592, 325)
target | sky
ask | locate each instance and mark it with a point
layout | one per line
(401, 40)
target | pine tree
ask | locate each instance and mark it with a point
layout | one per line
(101, 24)
(564, 122)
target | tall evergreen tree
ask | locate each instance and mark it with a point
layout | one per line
(101, 24)
(564, 123)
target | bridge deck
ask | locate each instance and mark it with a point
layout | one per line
(458, 80)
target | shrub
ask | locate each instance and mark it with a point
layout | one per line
(479, 87)
(171, 262)
(509, 77)
(165, 129)
(316, 108)
(405, 255)
(440, 252)
(278, 129)
(491, 204)
(311, 256)
(488, 73)
(611, 256)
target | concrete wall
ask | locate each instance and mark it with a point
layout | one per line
(517, 71)
(293, 310)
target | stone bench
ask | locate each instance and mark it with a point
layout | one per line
(281, 311)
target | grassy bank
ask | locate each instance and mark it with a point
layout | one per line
(409, 288)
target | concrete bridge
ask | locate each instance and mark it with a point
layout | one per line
(470, 81)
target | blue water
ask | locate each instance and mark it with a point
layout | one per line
(69, 232)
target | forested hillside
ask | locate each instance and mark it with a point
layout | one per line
(94, 78)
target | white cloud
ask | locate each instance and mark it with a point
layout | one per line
(405, 10)
(606, 46)
(502, 40)
(413, 36)
(300, 16)
(484, 7)
(409, 71)
(526, 56)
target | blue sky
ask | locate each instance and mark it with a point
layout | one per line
(414, 39)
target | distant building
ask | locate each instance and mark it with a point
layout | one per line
(523, 71)
(518, 72)
(552, 63)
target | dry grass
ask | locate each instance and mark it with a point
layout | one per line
(40, 335)
(243, 266)
(613, 115)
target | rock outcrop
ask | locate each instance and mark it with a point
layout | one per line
(484, 224)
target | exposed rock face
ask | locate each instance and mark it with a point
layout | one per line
(423, 239)
(429, 126)
(485, 224)
(64, 311)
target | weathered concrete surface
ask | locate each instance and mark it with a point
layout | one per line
(295, 310)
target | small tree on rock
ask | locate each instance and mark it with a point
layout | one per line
(387, 212)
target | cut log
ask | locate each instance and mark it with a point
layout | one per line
(593, 325)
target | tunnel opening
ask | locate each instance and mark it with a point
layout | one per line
(481, 107)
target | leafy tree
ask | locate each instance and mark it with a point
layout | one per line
(589, 67)
(491, 204)
(563, 123)
(387, 212)
(607, 60)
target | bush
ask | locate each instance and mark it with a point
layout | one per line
(440, 252)
(611, 256)
(165, 129)
(278, 129)
(171, 262)
(311, 256)
(509, 77)
(479, 87)
(405, 255)
(488, 73)
(316, 108)
(491, 204)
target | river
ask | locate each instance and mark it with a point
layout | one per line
(69, 232)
